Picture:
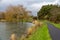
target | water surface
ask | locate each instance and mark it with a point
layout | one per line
(7, 28)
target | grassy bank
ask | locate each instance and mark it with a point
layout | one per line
(56, 25)
(41, 33)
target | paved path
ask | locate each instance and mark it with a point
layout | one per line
(54, 32)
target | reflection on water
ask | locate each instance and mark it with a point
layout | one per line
(7, 28)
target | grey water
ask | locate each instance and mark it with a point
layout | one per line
(7, 28)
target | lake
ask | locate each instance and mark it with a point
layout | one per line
(7, 28)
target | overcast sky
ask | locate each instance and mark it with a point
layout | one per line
(33, 5)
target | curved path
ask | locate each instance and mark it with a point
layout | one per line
(54, 32)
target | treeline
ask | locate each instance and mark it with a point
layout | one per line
(50, 12)
(15, 13)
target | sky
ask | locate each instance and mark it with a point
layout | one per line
(32, 5)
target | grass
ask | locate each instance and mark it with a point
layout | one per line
(56, 25)
(41, 33)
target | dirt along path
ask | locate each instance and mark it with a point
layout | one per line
(54, 32)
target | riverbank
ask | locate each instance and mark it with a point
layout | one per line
(30, 21)
(41, 33)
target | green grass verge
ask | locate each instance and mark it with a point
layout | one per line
(56, 25)
(41, 33)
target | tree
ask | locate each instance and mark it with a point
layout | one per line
(2, 15)
(50, 12)
(44, 11)
(16, 13)
(55, 12)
